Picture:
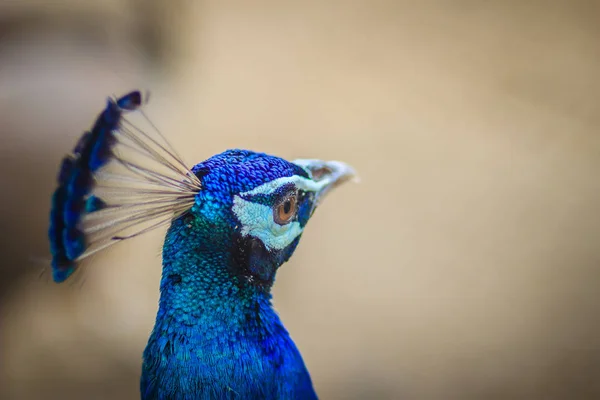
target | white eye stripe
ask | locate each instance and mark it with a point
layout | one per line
(308, 185)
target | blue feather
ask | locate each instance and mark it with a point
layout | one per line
(94, 203)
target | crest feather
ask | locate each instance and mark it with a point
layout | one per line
(119, 182)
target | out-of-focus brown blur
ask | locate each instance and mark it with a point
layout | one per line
(465, 265)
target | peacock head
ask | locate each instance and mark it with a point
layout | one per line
(258, 206)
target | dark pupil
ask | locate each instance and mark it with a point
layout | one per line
(287, 206)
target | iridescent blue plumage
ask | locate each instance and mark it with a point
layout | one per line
(234, 220)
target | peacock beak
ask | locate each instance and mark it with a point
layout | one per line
(327, 174)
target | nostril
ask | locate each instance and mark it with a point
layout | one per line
(319, 173)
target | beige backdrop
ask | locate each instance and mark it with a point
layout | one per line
(465, 265)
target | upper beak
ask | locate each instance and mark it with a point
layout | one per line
(329, 174)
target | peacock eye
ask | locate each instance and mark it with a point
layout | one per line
(285, 211)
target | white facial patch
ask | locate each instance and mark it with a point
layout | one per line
(257, 219)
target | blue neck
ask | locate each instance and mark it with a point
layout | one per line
(216, 335)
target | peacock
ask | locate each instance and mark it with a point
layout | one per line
(232, 220)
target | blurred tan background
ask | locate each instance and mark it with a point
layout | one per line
(465, 265)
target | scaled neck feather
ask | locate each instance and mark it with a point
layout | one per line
(216, 336)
